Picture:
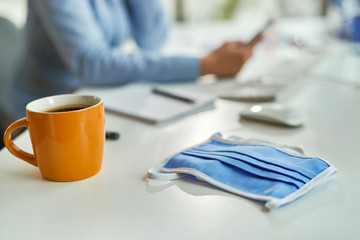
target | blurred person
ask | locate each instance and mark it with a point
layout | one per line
(73, 43)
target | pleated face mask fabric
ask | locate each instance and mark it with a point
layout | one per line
(253, 169)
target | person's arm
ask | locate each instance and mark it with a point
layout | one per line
(149, 23)
(76, 35)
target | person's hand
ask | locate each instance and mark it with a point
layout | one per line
(227, 60)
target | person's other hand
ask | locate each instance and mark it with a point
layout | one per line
(227, 60)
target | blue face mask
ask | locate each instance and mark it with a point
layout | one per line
(250, 168)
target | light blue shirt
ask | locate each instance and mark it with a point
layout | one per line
(72, 43)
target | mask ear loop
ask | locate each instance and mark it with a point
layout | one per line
(156, 174)
(296, 149)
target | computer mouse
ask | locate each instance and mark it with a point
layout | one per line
(274, 113)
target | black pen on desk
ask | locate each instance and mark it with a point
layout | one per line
(110, 135)
(175, 96)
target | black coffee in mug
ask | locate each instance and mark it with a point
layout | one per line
(67, 108)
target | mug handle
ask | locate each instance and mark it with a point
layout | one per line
(27, 157)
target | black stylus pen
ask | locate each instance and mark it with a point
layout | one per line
(175, 96)
(112, 135)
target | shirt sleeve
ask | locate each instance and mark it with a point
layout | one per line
(77, 37)
(149, 23)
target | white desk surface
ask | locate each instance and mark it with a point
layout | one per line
(118, 203)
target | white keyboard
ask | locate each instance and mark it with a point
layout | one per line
(265, 86)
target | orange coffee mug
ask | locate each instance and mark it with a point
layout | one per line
(67, 134)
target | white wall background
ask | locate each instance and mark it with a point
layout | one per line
(197, 10)
(15, 10)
